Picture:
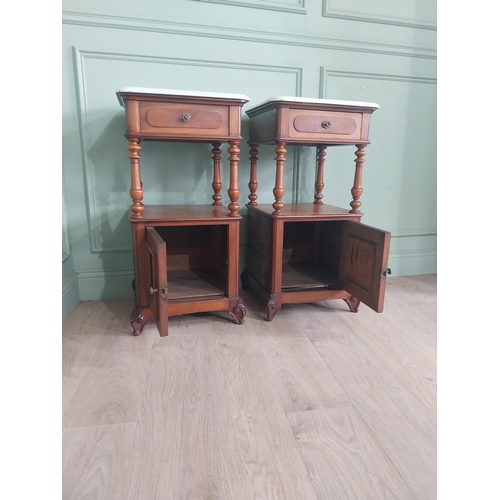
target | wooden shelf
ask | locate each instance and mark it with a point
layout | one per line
(306, 211)
(194, 283)
(184, 213)
(306, 276)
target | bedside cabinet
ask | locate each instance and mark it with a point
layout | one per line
(186, 257)
(308, 252)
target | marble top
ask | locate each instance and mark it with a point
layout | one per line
(183, 93)
(309, 100)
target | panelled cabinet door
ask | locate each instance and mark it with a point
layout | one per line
(363, 263)
(157, 279)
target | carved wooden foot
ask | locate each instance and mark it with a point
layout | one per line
(353, 303)
(238, 312)
(139, 317)
(273, 306)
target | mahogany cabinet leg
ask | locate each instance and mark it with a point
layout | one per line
(279, 189)
(273, 306)
(136, 192)
(233, 191)
(139, 317)
(252, 185)
(353, 303)
(238, 312)
(357, 190)
(321, 153)
(216, 184)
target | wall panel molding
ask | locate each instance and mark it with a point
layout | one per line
(242, 34)
(69, 282)
(81, 79)
(294, 7)
(325, 73)
(70, 295)
(65, 224)
(412, 262)
(413, 233)
(331, 11)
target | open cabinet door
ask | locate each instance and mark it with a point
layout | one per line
(364, 256)
(157, 279)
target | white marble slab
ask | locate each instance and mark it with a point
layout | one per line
(309, 100)
(183, 93)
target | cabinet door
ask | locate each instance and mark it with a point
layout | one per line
(157, 279)
(364, 256)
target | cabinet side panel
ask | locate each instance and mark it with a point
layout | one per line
(263, 127)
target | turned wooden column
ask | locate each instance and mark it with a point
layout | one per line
(357, 190)
(321, 153)
(136, 192)
(279, 189)
(252, 185)
(233, 191)
(216, 184)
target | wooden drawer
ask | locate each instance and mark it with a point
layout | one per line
(179, 120)
(324, 125)
(181, 115)
(308, 121)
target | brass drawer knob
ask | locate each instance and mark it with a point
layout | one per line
(185, 117)
(326, 124)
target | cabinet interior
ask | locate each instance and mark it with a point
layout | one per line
(197, 259)
(311, 254)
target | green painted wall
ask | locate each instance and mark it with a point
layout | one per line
(382, 52)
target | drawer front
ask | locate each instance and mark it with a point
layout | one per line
(178, 120)
(324, 125)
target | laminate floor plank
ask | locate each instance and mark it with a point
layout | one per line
(426, 282)
(256, 454)
(402, 424)
(412, 364)
(303, 380)
(81, 334)
(94, 461)
(363, 375)
(417, 326)
(319, 316)
(111, 391)
(261, 411)
(190, 324)
(421, 294)
(343, 458)
(301, 377)
(172, 455)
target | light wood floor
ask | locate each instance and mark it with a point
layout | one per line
(320, 403)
